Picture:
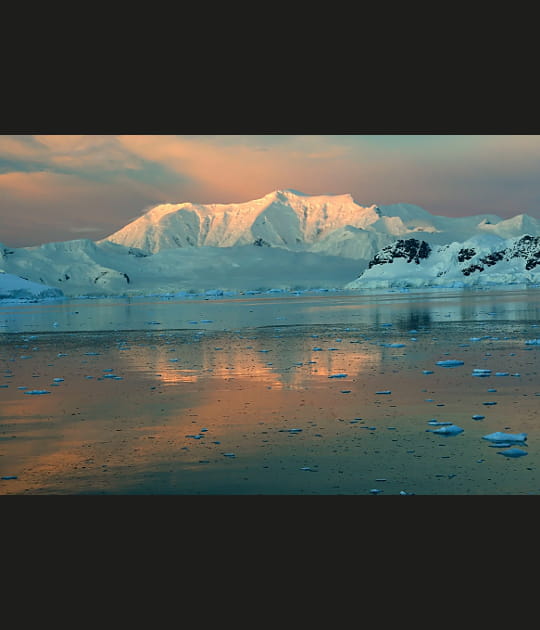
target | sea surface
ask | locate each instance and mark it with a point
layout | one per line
(306, 393)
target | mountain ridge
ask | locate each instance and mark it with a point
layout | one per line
(296, 221)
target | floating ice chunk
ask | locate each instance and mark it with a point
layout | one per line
(478, 417)
(502, 373)
(393, 345)
(516, 374)
(491, 390)
(513, 452)
(436, 423)
(91, 354)
(481, 372)
(206, 321)
(153, 322)
(37, 392)
(229, 454)
(7, 477)
(475, 338)
(61, 354)
(307, 469)
(58, 380)
(451, 429)
(375, 490)
(385, 391)
(501, 436)
(197, 436)
(427, 371)
(345, 391)
(489, 402)
(316, 349)
(532, 342)
(338, 375)
(450, 363)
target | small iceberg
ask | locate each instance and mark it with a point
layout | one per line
(385, 391)
(481, 372)
(478, 417)
(513, 452)
(501, 436)
(340, 375)
(37, 392)
(451, 429)
(450, 363)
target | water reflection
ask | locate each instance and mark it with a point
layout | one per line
(408, 310)
(277, 359)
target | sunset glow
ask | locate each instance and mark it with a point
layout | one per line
(59, 187)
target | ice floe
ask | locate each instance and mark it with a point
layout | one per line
(481, 372)
(450, 363)
(513, 452)
(501, 436)
(451, 429)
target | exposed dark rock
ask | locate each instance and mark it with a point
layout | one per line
(465, 254)
(411, 249)
(260, 242)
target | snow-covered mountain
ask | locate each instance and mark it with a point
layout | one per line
(83, 267)
(327, 224)
(481, 260)
(285, 240)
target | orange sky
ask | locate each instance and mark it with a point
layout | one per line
(60, 187)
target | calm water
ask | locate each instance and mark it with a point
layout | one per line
(269, 394)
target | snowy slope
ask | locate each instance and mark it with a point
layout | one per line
(328, 224)
(17, 288)
(82, 267)
(483, 260)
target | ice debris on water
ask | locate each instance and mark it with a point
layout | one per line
(478, 417)
(6, 477)
(450, 363)
(451, 429)
(489, 402)
(37, 392)
(427, 371)
(481, 372)
(339, 375)
(532, 342)
(229, 454)
(501, 436)
(435, 423)
(513, 452)
(385, 391)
